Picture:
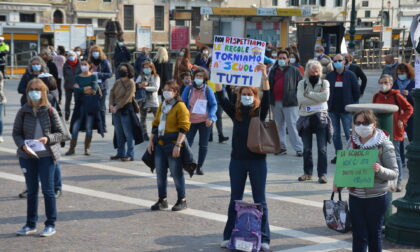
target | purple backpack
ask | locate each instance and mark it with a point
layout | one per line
(246, 235)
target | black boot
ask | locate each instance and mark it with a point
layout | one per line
(211, 138)
(222, 139)
(199, 171)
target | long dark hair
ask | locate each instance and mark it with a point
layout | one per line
(238, 104)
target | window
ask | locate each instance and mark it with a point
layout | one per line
(294, 2)
(275, 2)
(338, 3)
(312, 2)
(303, 2)
(159, 18)
(58, 17)
(25, 17)
(128, 17)
(102, 22)
(84, 21)
(3, 18)
(322, 3)
(367, 14)
(107, 1)
(179, 22)
(365, 3)
(196, 20)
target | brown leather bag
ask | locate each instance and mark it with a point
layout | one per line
(263, 137)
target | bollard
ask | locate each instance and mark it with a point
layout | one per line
(384, 113)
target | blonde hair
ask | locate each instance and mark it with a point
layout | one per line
(102, 55)
(161, 55)
(310, 65)
(44, 93)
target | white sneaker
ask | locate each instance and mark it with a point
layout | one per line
(265, 246)
(1, 139)
(224, 244)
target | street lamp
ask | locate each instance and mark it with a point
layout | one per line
(352, 25)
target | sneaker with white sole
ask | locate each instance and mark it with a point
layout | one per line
(1, 139)
(224, 244)
(26, 230)
(265, 246)
(48, 231)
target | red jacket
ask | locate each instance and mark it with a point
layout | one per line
(403, 114)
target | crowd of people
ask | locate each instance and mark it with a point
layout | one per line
(304, 100)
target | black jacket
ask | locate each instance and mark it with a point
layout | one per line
(121, 55)
(291, 80)
(164, 70)
(52, 69)
(360, 75)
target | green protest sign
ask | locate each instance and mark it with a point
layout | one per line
(354, 168)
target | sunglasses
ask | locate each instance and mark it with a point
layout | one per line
(358, 123)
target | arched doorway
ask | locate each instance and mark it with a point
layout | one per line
(58, 17)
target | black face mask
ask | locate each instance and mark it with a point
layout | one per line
(123, 73)
(313, 79)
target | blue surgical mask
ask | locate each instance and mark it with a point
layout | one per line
(281, 62)
(95, 55)
(181, 53)
(36, 68)
(338, 65)
(147, 71)
(247, 100)
(199, 82)
(34, 95)
(120, 43)
(72, 58)
(402, 77)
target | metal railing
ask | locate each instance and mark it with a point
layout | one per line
(375, 58)
(14, 60)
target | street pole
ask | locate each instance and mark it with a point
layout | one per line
(352, 25)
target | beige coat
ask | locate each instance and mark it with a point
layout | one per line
(122, 93)
(315, 95)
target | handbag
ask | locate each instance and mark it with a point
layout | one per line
(136, 106)
(337, 215)
(263, 137)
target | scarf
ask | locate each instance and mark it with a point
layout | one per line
(72, 63)
(166, 107)
(376, 140)
(402, 85)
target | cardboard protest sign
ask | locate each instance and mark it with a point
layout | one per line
(354, 168)
(234, 61)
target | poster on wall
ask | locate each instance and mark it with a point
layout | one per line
(71, 36)
(78, 36)
(180, 37)
(235, 59)
(143, 37)
(62, 36)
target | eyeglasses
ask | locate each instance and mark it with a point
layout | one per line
(365, 123)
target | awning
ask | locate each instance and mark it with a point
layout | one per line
(92, 14)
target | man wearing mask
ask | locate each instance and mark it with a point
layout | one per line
(283, 80)
(344, 90)
(4, 50)
(138, 65)
(348, 59)
(390, 65)
(325, 61)
(121, 55)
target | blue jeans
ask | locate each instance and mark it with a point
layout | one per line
(397, 146)
(367, 216)
(44, 169)
(88, 126)
(345, 119)
(238, 172)
(103, 107)
(163, 161)
(124, 134)
(1, 118)
(203, 141)
(321, 140)
(57, 177)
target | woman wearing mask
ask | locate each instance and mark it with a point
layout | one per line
(405, 84)
(163, 67)
(71, 69)
(37, 120)
(102, 69)
(123, 115)
(182, 64)
(203, 57)
(202, 104)
(86, 114)
(186, 78)
(148, 84)
(171, 124)
(368, 205)
(312, 96)
(387, 95)
(3, 102)
(35, 67)
(295, 61)
(79, 52)
(59, 61)
(244, 162)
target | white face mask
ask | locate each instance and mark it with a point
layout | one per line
(292, 60)
(84, 68)
(384, 88)
(168, 95)
(364, 131)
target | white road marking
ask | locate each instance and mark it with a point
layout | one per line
(192, 212)
(187, 181)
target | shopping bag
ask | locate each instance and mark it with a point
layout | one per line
(336, 213)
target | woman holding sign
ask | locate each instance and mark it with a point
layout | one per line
(368, 205)
(37, 131)
(201, 102)
(243, 162)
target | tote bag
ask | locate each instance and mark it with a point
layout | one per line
(337, 215)
(263, 137)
